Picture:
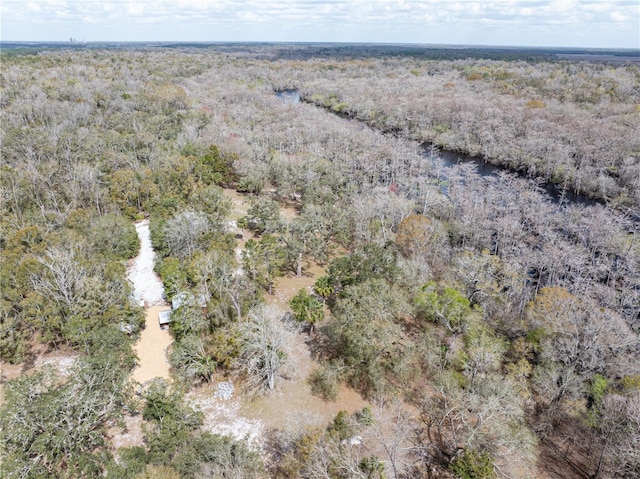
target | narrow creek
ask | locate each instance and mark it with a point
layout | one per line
(151, 348)
(450, 159)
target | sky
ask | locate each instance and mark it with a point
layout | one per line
(548, 23)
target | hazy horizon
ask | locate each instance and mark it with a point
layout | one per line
(76, 41)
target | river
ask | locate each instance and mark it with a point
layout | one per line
(450, 159)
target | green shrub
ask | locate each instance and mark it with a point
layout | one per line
(306, 308)
(472, 464)
(324, 383)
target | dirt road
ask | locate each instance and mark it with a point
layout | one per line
(151, 348)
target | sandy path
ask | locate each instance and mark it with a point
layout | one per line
(151, 348)
(147, 285)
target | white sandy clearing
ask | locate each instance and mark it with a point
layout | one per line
(223, 416)
(61, 361)
(127, 434)
(147, 286)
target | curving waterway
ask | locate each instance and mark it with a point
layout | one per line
(450, 159)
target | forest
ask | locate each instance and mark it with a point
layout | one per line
(306, 218)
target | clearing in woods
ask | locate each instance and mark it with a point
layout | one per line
(291, 402)
(243, 416)
(151, 348)
(154, 342)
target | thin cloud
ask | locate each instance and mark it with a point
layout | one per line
(321, 11)
(324, 17)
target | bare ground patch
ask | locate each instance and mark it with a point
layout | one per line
(129, 435)
(151, 349)
(292, 396)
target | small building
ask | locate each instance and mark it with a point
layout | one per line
(164, 318)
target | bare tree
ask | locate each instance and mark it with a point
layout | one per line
(63, 276)
(619, 426)
(267, 341)
(395, 429)
(184, 231)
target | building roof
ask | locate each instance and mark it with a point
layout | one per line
(164, 317)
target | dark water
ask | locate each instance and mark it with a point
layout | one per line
(291, 96)
(484, 169)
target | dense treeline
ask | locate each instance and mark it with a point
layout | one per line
(486, 255)
(503, 319)
(88, 147)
